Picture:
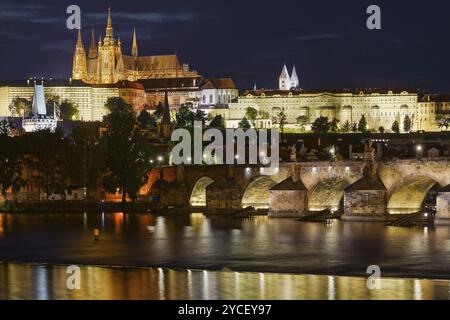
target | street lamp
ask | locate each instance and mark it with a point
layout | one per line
(419, 149)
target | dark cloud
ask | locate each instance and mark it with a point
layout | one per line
(246, 39)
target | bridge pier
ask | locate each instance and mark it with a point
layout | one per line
(288, 199)
(443, 207)
(366, 199)
(223, 195)
(175, 193)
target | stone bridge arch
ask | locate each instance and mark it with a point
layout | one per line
(394, 173)
(409, 193)
(257, 192)
(328, 194)
(197, 194)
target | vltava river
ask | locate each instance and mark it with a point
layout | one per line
(252, 251)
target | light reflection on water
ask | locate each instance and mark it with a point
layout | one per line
(25, 281)
(215, 243)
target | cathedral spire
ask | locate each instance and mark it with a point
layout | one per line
(109, 37)
(93, 47)
(166, 111)
(79, 40)
(134, 49)
(79, 69)
(294, 79)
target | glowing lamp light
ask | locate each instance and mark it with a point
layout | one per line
(160, 159)
(419, 148)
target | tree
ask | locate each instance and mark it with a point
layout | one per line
(281, 120)
(321, 125)
(217, 122)
(444, 123)
(347, 127)
(67, 111)
(85, 165)
(264, 114)
(5, 128)
(52, 103)
(251, 114)
(20, 107)
(354, 127)
(159, 111)
(334, 125)
(184, 118)
(144, 118)
(395, 127)
(127, 151)
(200, 115)
(381, 129)
(244, 124)
(47, 155)
(362, 124)
(10, 165)
(407, 124)
(302, 121)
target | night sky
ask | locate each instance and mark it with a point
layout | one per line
(248, 40)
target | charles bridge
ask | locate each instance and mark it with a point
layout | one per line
(362, 190)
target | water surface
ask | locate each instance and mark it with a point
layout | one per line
(198, 242)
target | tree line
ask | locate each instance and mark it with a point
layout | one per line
(116, 154)
(323, 124)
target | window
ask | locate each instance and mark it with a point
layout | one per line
(210, 98)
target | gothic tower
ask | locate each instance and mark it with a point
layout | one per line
(79, 70)
(284, 80)
(294, 79)
(134, 49)
(107, 55)
(93, 53)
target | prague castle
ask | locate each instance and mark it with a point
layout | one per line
(106, 64)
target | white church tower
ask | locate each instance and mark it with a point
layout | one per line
(39, 119)
(285, 80)
(294, 79)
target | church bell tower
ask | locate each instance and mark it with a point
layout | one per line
(284, 80)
